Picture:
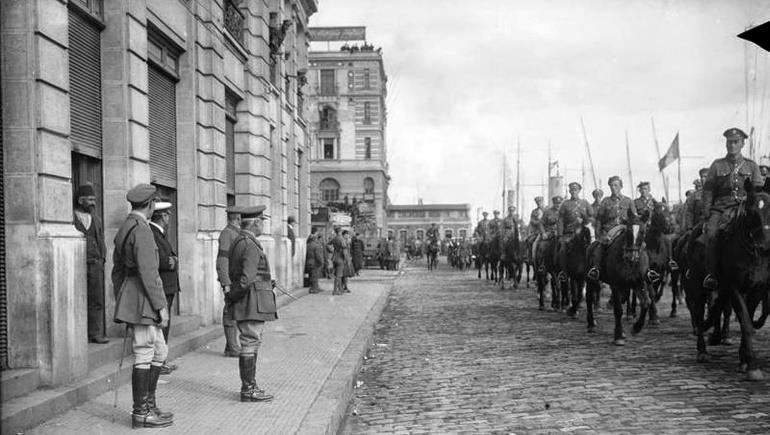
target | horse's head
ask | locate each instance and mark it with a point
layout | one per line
(635, 233)
(756, 220)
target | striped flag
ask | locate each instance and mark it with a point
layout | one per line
(671, 155)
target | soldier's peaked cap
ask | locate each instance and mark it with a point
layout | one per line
(253, 212)
(613, 179)
(702, 171)
(538, 198)
(642, 184)
(484, 213)
(140, 193)
(575, 184)
(735, 133)
(233, 209)
(162, 206)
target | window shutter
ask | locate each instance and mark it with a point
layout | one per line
(85, 85)
(230, 154)
(3, 290)
(162, 110)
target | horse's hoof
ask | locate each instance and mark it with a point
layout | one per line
(727, 341)
(743, 368)
(755, 375)
(673, 314)
(591, 329)
(619, 342)
(636, 329)
(714, 340)
(623, 335)
(655, 322)
(703, 357)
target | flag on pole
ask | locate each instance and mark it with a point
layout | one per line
(671, 155)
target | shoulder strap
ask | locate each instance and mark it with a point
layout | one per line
(128, 233)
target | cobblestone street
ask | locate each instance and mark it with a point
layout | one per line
(452, 353)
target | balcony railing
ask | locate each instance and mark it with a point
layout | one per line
(233, 19)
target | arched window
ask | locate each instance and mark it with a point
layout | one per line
(368, 185)
(330, 189)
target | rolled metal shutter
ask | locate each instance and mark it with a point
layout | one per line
(162, 110)
(85, 85)
(3, 290)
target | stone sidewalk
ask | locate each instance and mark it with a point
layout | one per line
(308, 360)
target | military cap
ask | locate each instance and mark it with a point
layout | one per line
(615, 178)
(703, 171)
(496, 212)
(643, 184)
(557, 198)
(162, 206)
(735, 133)
(141, 193)
(538, 198)
(485, 213)
(233, 209)
(767, 168)
(511, 207)
(86, 189)
(254, 212)
(597, 192)
(576, 185)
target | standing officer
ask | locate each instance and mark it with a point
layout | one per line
(573, 214)
(693, 208)
(252, 298)
(432, 233)
(723, 191)
(226, 237)
(88, 223)
(613, 212)
(141, 304)
(645, 202)
(338, 259)
(168, 263)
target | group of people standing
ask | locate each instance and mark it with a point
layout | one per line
(340, 258)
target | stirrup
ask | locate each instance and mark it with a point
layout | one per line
(710, 282)
(593, 274)
(673, 265)
(562, 276)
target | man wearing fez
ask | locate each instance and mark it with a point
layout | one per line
(141, 304)
(252, 298)
(226, 237)
(168, 265)
(88, 223)
(723, 192)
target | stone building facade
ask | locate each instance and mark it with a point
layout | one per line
(407, 222)
(348, 119)
(203, 98)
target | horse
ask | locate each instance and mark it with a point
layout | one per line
(510, 263)
(625, 270)
(744, 272)
(575, 266)
(545, 268)
(659, 254)
(482, 257)
(431, 253)
(494, 255)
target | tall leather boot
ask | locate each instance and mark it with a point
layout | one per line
(710, 281)
(247, 364)
(142, 415)
(151, 403)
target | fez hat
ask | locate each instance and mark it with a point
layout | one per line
(642, 184)
(735, 133)
(86, 189)
(253, 212)
(615, 178)
(575, 184)
(141, 193)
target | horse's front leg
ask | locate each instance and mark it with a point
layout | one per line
(617, 307)
(591, 292)
(748, 360)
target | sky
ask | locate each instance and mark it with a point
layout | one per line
(469, 80)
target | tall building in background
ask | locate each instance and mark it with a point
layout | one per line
(347, 115)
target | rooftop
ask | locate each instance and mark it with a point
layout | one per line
(399, 207)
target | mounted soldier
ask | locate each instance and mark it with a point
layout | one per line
(694, 213)
(573, 214)
(598, 194)
(536, 225)
(495, 225)
(482, 228)
(723, 192)
(613, 214)
(645, 201)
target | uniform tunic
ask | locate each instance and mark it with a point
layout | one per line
(252, 296)
(724, 188)
(613, 211)
(226, 237)
(643, 203)
(535, 221)
(482, 228)
(574, 213)
(550, 220)
(694, 213)
(135, 279)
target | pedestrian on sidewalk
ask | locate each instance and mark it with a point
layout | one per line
(252, 298)
(314, 262)
(226, 237)
(346, 254)
(168, 262)
(87, 221)
(141, 304)
(338, 260)
(357, 251)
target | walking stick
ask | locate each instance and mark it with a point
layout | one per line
(120, 369)
(282, 290)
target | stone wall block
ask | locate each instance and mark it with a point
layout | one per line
(114, 101)
(137, 38)
(23, 270)
(138, 172)
(206, 165)
(139, 141)
(220, 193)
(205, 138)
(137, 9)
(112, 63)
(19, 151)
(219, 169)
(20, 198)
(137, 69)
(203, 60)
(206, 218)
(206, 195)
(53, 66)
(54, 199)
(54, 155)
(203, 87)
(16, 114)
(15, 46)
(218, 112)
(139, 106)
(204, 113)
(53, 20)
(114, 138)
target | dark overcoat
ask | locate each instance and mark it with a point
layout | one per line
(251, 294)
(168, 274)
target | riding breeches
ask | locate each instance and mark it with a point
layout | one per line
(710, 239)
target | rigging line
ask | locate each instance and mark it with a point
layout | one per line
(763, 120)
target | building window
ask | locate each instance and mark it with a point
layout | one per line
(327, 82)
(368, 185)
(367, 78)
(233, 20)
(367, 148)
(328, 119)
(434, 214)
(448, 233)
(86, 169)
(328, 149)
(85, 79)
(420, 234)
(330, 190)
(367, 112)
(231, 101)
(93, 7)
(351, 80)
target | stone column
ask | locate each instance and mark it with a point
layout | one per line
(46, 268)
